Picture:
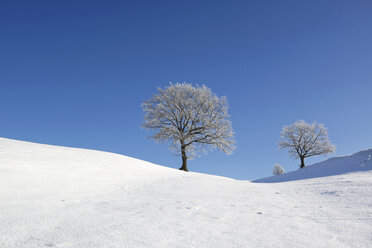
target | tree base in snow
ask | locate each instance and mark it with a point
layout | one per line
(184, 169)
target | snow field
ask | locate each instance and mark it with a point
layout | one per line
(67, 197)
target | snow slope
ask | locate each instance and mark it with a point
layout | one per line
(360, 161)
(66, 197)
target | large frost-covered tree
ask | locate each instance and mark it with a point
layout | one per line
(304, 140)
(191, 118)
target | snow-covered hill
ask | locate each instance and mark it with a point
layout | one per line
(360, 161)
(66, 197)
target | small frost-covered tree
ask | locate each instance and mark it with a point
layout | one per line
(304, 140)
(191, 119)
(278, 170)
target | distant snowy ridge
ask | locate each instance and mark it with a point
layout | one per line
(360, 161)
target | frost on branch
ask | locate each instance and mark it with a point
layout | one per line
(278, 170)
(304, 140)
(191, 118)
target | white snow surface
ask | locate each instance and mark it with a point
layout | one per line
(54, 196)
(360, 161)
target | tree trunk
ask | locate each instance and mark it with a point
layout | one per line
(184, 157)
(302, 162)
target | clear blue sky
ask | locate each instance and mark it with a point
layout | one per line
(75, 73)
